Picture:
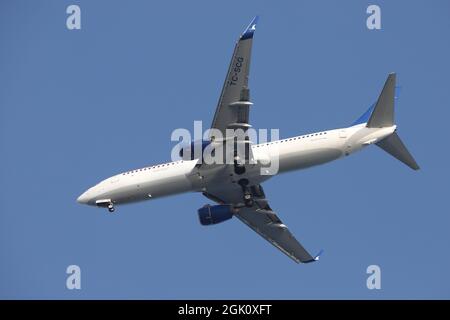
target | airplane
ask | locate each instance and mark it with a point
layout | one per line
(235, 186)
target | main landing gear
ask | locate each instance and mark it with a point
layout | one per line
(239, 168)
(248, 197)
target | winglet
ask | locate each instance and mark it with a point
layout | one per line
(316, 258)
(248, 33)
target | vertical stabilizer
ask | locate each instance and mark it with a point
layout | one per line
(383, 113)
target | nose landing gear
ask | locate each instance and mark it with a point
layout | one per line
(105, 203)
(111, 207)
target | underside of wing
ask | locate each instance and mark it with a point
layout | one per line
(262, 219)
(234, 101)
(269, 226)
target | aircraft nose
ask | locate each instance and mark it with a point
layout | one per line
(84, 198)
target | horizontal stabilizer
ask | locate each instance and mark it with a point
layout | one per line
(395, 147)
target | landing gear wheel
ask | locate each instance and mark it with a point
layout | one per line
(110, 207)
(248, 199)
(248, 196)
(239, 169)
(249, 203)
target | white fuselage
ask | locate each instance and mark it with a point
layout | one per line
(184, 175)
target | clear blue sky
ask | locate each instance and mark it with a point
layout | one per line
(79, 106)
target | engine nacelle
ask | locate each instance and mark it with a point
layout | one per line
(215, 214)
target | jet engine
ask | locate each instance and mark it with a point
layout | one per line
(215, 214)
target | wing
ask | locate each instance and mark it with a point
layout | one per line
(234, 101)
(262, 219)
